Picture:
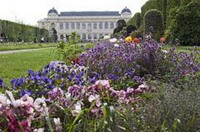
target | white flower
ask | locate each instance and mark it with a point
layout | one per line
(4, 100)
(27, 100)
(104, 83)
(68, 96)
(39, 130)
(40, 104)
(93, 97)
(143, 87)
(113, 40)
(77, 109)
(165, 51)
(10, 96)
(107, 37)
(18, 103)
(116, 45)
(57, 124)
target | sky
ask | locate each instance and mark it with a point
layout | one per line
(30, 11)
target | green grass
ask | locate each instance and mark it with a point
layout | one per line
(18, 46)
(16, 65)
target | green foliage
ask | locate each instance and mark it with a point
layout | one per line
(135, 20)
(153, 18)
(15, 32)
(69, 51)
(121, 24)
(74, 38)
(184, 23)
(130, 29)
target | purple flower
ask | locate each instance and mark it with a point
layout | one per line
(2, 84)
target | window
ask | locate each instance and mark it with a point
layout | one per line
(89, 25)
(72, 25)
(78, 25)
(100, 25)
(84, 36)
(61, 25)
(100, 36)
(94, 36)
(89, 36)
(83, 26)
(95, 25)
(112, 25)
(106, 25)
(67, 25)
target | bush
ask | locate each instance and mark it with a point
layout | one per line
(188, 17)
(15, 32)
(153, 18)
(135, 20)
(174, 108)
(130, 29)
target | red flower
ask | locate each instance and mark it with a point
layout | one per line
(76, 60)
(163, 40)
(136, 40)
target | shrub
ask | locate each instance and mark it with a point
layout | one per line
(15, 32)
(174, 108)
(153, 18)
(129, 62)
(187, 16)
(135, 20)
(130, 29)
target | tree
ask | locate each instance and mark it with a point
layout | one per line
(130, 29)
(185, 23)
(153, 23)
(54, 35)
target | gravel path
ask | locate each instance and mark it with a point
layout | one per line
(24, 50)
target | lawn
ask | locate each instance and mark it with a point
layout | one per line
(19, 46)
(16, 65)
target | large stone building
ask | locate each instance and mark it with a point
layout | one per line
(89, 25)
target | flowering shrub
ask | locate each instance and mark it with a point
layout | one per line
(133, 62)
(76, 103)
(103, 90)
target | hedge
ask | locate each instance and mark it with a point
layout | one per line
(185, 23)
(15, 32)
(153, 18)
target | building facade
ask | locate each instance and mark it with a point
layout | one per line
(90, 25)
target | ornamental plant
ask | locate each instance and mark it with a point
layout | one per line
(81, 106)
(129, 62)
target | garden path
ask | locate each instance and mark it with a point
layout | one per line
(24, 50)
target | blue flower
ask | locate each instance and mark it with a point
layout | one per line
(2, 84)
(15, 83)
(24, 92)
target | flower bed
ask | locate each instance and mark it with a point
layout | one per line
(97, 92)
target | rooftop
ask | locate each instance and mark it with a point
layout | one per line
(91, 13)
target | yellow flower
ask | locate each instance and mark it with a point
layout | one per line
(128, 39)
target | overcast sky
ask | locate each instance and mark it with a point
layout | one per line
(30, 11)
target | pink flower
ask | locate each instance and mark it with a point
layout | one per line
(104, 83)
(122, 94)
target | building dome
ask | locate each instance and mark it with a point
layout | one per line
(126, 10)
(53, 11)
